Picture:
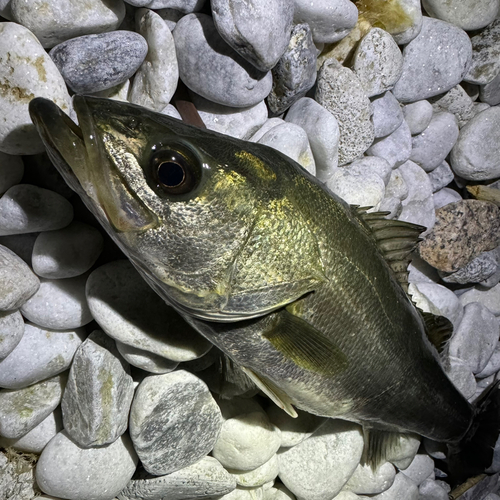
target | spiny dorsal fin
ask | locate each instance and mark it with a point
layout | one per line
(396, 240)
(438, 330)
(378, 446)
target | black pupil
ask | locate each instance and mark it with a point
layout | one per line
(171, 174)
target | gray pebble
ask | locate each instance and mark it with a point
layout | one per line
(11, 171)
(441, 176)
(67, 252)
(330, 21)
(387, 114)
(445, 196)
(367, 481)
(340, 92)
(96, 62)
(59, 304)
(395, 148)
(56, 21)
(413, 13)
(266, 127)
(431, 490)
(39, 355)
(11, 331)
(129, 311)
(23, 409)
(99, 393)
(174, 421)
(21, 244)
(418, 115)
(183, 6)
(493, 364)
(434, 62)
(17, 281)
(170, 16)
(145, 360)
(461, 375)
(25, 208)
(377, 62)
(171, 110)
(431, 147)
(490, 93)
(322, 131)
(485, 55)
(295, 72)
(211, 68)
(66, 470)
(475, 154)
(455, 101)
(477, 270)
(402, 487)
(205, 478)
(396, 186)
(258, 30)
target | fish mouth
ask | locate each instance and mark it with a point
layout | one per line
(78, 154)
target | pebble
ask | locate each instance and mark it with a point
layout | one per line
(66, 470)
(39, 355)
(474, 155)
(268, 125)
(396, 187)
(434, 62)
(322, 132)
(455, 101)
(25, 208)
(156, 79)
(67, 252)
(460, 234)
(477, 270)
(418, 115)
(387, 114)
(145, 360)
(170, 110)
(258, 30)
(420, 469)
(329, 21)
(174, 421)
(366, 481)
(445, 196)
(485, 65)
(211, 68)
(418, 206)
(128, 310)
(431, 490)
(295, 72)
(402, 488)
(461, 376)
(11, 171)
(292, 141)
(17, 281)
(183, 6)
(38, 437)
(241, 123)
(171, 16)
(92, 63)
(11, 331)
(395, 148)
(205, 478)
(22, 410)
(56, 21)
(26, 71)
(404, 450)
(340, 91)
(59, 304)
(493, 364)
(489, 298)
(20, 244)
(259, 476)
(319, 467)
(99, 393)
(490, 93)
(279, 492)
(431, 147)
(247, 441)
(294, 430)
(377, 62)
(441, 176)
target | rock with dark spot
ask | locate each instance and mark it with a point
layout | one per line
(477, 270)
(97, 398)
(462, 231)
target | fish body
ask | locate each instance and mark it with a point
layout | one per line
(280, 274)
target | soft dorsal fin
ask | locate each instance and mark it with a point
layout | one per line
(395, 239)
(438, 330)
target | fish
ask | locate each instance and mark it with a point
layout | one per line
(306, 294)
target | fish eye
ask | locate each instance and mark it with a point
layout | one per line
(175, 172)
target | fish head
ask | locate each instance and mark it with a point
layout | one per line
(205, 218)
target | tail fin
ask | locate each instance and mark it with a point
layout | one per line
(473, 455)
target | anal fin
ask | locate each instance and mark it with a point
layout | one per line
(378, 446)
(438, 330)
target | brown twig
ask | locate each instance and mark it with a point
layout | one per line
(186, 108)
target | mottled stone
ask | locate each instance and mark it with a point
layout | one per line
(11, 171)
(66, 470)
(340, 92)
(394, 148)
(23, 409)
(128, 310)
(17, 281)
(387, 115)
(477, 270)
(455, 101)
(211, 68)
(366, 481)
(11, 331)
(462, 231)
(145, 360)
(174, 421)
(99, 393)
(26, 209)
(377, 62)
(39, 355)
(204, 479)
(418, 115)
(434, 62)
(92, 63)
(295, 72)
(441, 176)
(17, 477)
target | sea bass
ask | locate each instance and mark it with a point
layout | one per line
(302, 291)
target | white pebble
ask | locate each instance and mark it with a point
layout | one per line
(11, 331)
(461, 376)
(395, 148)
(402, 488)
(266, 127)
(145, 360)
(489, 298)
(259, 476)
(420, 469)
(418, 115)
(403, 452)
(387, 114)
(366, 481)
(445, 196)
(430, 490)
